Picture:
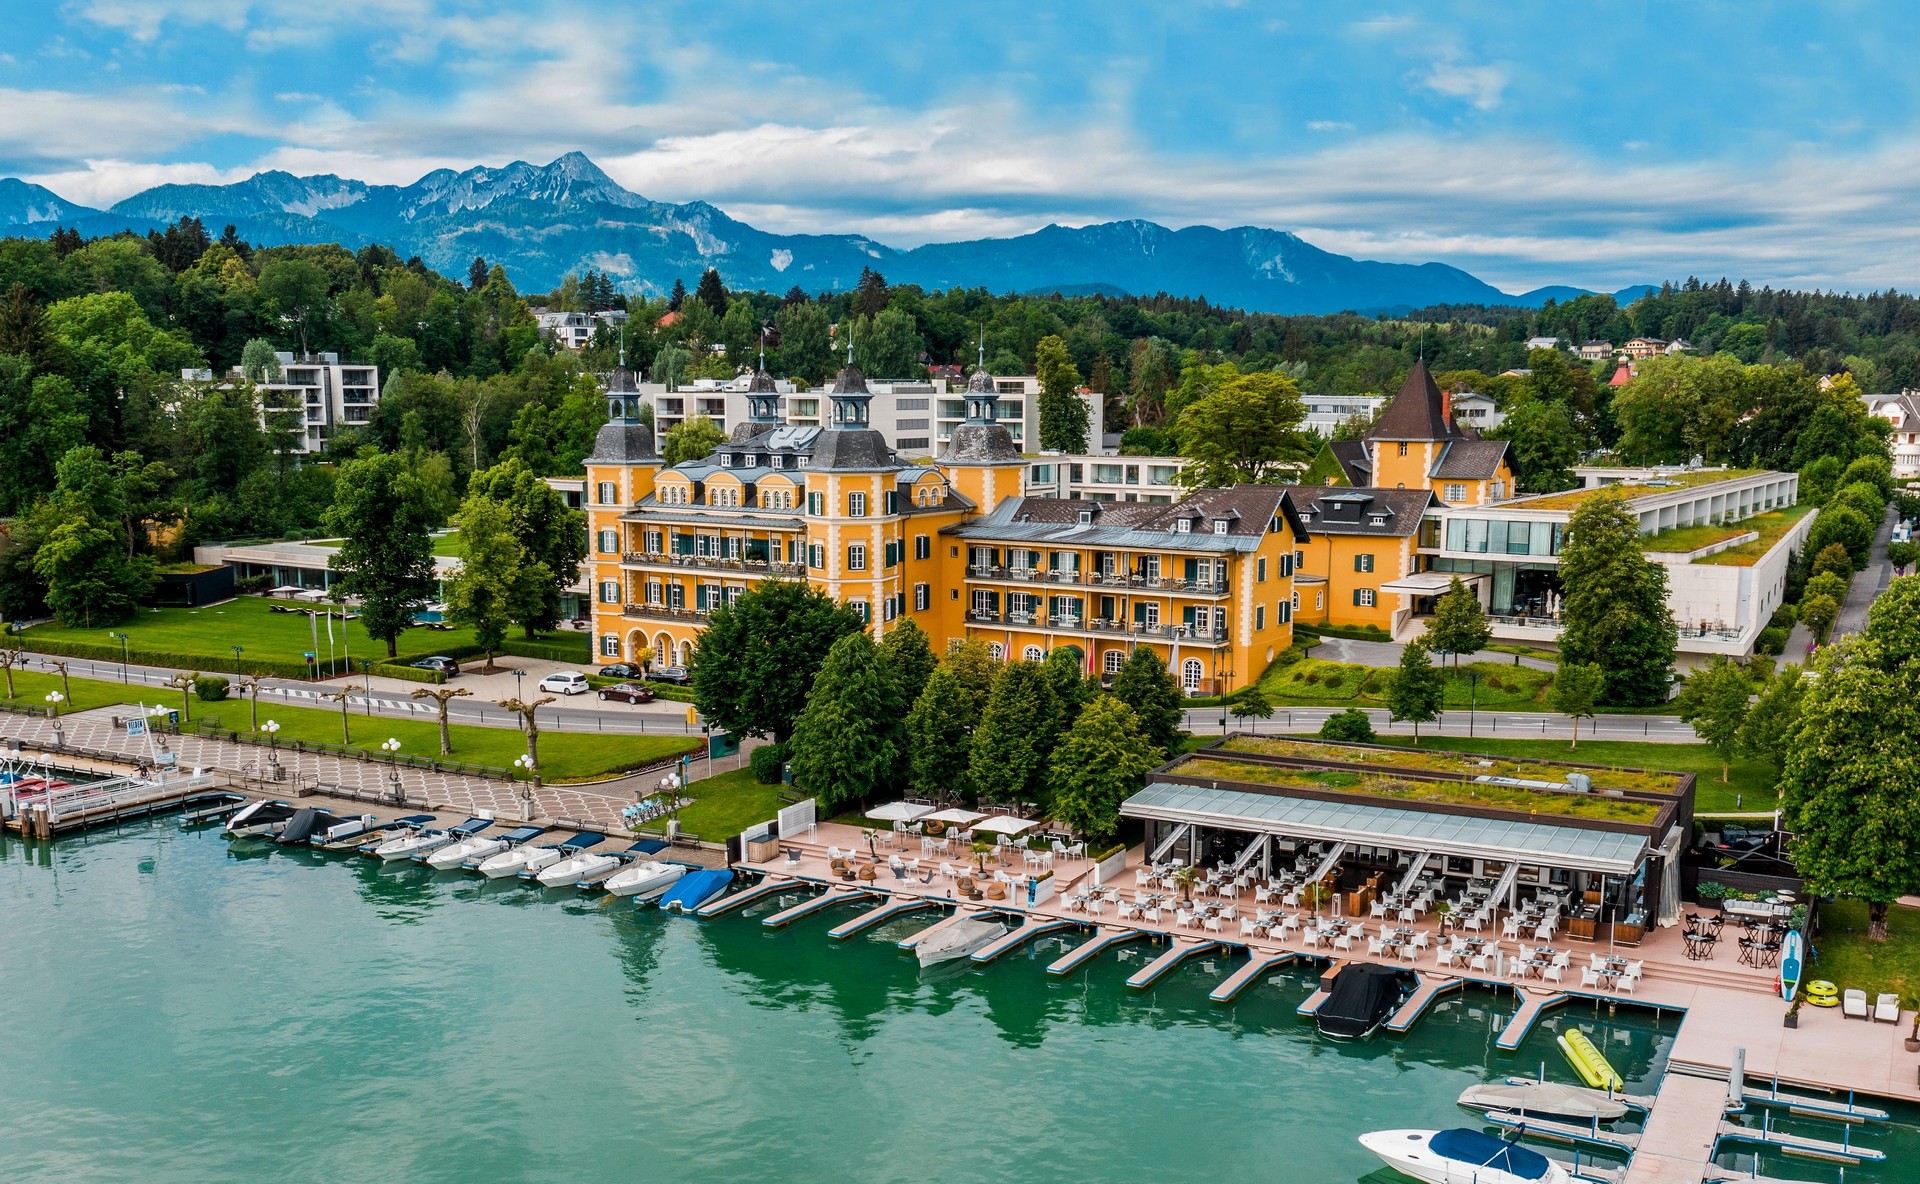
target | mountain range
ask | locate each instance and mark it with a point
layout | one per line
(542, 222)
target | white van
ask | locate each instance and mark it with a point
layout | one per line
(565, 682)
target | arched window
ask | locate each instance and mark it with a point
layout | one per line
(996, 651)
(1111, 661)
(1191, 672)
(1034, 653)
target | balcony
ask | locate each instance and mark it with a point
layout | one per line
(1169, 584)
(1184, 634)
(747, 567)
(661, 612)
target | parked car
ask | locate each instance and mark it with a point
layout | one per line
(622, 670)
(565, 682)
(627, 692)
(446, 666)
(676, 675)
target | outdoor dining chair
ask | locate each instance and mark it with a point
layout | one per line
(1589, 977)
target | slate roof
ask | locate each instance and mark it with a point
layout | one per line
(1472, 460)
(622, 441)
(1246, 509)
(1416, 413)
(1335, 510)
(1354, 459)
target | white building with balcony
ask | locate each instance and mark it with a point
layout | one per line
(315, 395)
(1104, 478)
(1903, 412)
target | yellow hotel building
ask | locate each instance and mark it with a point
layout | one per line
(1206, 582)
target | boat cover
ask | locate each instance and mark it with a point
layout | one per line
(471, 826)
(1362, 996)
(303, 824)
(521, 834)
(646, 847)
(581, 842)
(1483, 1150)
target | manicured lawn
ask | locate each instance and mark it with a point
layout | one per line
(726, 804)
(213, 631)
(1752, 780)
(1313, 682)
(1771, 526)
(447, 546)
(1850, 961)
(564, 756)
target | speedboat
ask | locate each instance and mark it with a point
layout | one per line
(1545, 1099)
(562, 853)
(339, 829)
(518, 861)
(261, 818)
(421, 843)
(1363, 996)
(958, 940)
(587, 865)
(1462, 1156)
(644, 879)
(480, 848)
(303, 826)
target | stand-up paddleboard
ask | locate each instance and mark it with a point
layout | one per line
(1790, 965)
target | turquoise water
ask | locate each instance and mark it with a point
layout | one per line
(178, 1008)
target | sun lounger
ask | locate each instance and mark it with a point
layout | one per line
(1854, 1003)
(1886, 1009)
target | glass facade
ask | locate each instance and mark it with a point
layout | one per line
(1501, 537)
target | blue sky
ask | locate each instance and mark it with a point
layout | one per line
(1596, 144)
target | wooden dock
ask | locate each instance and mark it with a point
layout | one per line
(1181, 949)
(84, 807)
(1318, 999)
(1257, 965)
(886, 912)
(1802, 1146)
(1676, 1144)
(1024, 933)
(747, 896)
(807, 908)
(1104, 938)
(1564, 1132)
(1532, 1006)
(1431, 987)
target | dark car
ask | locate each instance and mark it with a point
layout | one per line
(622, 670)
(626, 692)
(677, 675)
(446, 666)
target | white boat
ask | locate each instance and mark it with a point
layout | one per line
(644, 879)
(958, 940)
(575, 868)
(1462, 1156)
(455, 854)
(408, 845)
(261, 818)
(1546, 1099)
(518, 860)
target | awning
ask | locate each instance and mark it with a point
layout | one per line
(1006, 824)
(1431, 583)
(1465, 835)
(899, 812)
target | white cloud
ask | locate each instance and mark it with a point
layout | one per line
(102, 182)
(1329, 125)
(1481, 85)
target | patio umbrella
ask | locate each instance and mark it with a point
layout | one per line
(957, 817)
(899, 812)
(1006, 824)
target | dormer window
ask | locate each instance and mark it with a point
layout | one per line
(1220, 526)
(1378, 520)
(1086, 517)
(1182, 525)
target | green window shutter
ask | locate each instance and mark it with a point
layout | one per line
(1356, 596)
(1186, 615)
(1139, 611)
(1193, 566)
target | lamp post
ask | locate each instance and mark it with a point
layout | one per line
(272, 729)
(392, 748)
(237, 651)
(524, 763)
(1473, 699)
(517, 676)
(122, 639)
(56, 698)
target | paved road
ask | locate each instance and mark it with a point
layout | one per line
(1867, 584)
(1388, 653)
(1505, 725)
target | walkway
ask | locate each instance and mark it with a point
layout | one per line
(1387, 653)
(1868, 584)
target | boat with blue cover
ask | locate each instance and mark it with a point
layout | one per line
(695, 889)
(1462, 1156)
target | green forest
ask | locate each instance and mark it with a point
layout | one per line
(97, 420)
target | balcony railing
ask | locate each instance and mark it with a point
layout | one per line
(661, 612)
(1070, 624)
(713, 563)
(982, 571)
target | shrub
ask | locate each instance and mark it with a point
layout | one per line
(211, 687)
(1772, 640)
(1310, 677)
(1350, 726)
(765, 761)
(1336, 679)
(407, 673)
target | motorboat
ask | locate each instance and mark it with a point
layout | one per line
(958, 940)
(478, 849)
(644, 879)
(370, 836)
(587, 865)
(423, 842)
(518, 861)
(303, 826)
(1545, 1099)
(1462, 1156)
(336, 828)
(694, 889)
(564, 853)
(1363, 996)
(261, 818)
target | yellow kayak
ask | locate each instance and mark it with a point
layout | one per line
(1587, 1061)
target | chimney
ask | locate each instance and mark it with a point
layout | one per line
(1446, 407)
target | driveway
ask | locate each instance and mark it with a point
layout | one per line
(1868, 584)
(1387, 653)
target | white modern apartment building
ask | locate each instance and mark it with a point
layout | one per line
(314, 395)
(574, 330)
(1903, 412)
(1102, 477)
(1327, 412)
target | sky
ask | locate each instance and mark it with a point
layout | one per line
(1597, 144)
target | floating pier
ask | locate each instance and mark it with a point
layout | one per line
(886, 912)
(82, 807)
(1241, 979)
(1564, 1132)
(1019, 936)
(1181, 949)
(1800, 1145)
(1532, 1007)
(1807, 1106)
(825, 900)
(746, 896)
(1316, 1000)
(1104, 938)
(1431, 987)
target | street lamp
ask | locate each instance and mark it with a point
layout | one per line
(517, 675)
(391, 747)
(237, 651)
(272, 729)
(122, 639)
(56, 698)
(525, 763)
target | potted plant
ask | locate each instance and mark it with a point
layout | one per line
(1793, 1012)
(1184, 879)
(981, 849)
(1913, 1034)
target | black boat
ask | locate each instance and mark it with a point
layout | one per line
(1363, 996)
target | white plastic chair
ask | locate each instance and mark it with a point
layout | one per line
(946, 869)
(1406, 916)
(1589, 977)
(1478, 962)
(1151, 913)
(1343, 942)
(1443, 957)
(1543, 933)
(1182, 919)
(1553, 972)
(1376, 947)
(1511, 928)
(1212, 925)
(1626, 983)
(1419, 941)
(1376, 909)
(1247, 926)
(1095, 907)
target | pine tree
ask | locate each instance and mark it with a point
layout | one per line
(939, 738)
(910, 656)
(1015, 737)
(1614, 611)
(1146, 685)
(1458, 625)
(712, 292)
(846, 744)
(1418, 689)
(1063, 417)
(477, 273)
(870, 296)
(1714, 700)
(1101, 761)
(678, 296)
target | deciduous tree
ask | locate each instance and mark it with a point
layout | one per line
(846, 744)
(1063, 417)
(1015, 736)
(385, 560)
(1418, 690)
(755, 661)
(1100, 761)
(1458, 625)
(1614, 610)
(939, 738)
(1245, 430)
(1768, 728)
(1576, 689)
(691, 439)
(1146, 685)
(910, 656)
(1714, 700)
